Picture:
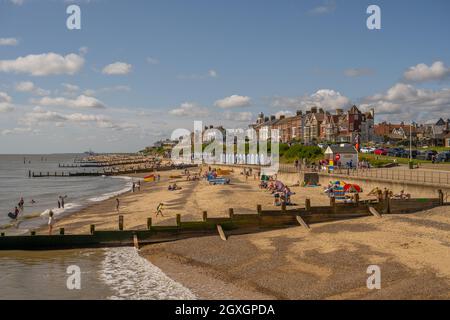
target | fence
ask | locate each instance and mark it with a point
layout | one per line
(393, 174)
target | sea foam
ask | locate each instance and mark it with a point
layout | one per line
(132, 277)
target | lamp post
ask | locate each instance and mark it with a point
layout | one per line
(410, 147)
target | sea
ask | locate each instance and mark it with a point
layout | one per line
(111, 273)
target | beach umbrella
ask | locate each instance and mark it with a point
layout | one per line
(352, 188)
(150, 178)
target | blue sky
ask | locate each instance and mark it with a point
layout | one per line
(139, 69)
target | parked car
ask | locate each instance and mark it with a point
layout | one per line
(381, 152)
(367, 150)
(395, 152)
(426, 155)
(414, 154)
(443, 157)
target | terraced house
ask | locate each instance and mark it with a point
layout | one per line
(317, 125)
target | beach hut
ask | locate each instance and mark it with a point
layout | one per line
(343, 154)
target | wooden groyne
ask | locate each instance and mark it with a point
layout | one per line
(101, 164)
(99, 173)
(234, 224)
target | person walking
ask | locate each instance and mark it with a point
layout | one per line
(159, 209)
(51, 222)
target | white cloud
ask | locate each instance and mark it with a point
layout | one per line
(408, 103)
(81, 102)
(5, 98)
(151, 60)
(70, 87)
(358, 72)
(17, 2)
(327, 7)
(83, 50)
(234, 101)
(92, 92)
(324, 98)
(238, 116)
(9, 42)
(210, 74)
(421, 72)
(286, 113)
(187, 109)
(44, 64)
(20, 130)
(117, 68)
(28, 86)
(5, 103)
(6, 107)
(40, 116)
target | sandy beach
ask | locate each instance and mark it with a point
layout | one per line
(330, 262)
(194, 198)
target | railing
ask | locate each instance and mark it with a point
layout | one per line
(393, 174)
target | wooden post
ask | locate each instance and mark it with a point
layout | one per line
(231, 213)
(205, 216)
(29, 173)
(283, 207)
(259, 209)
(441, 197)
(33, 233)
(149, 223)
(61, 231)
(92, 228)
(357, 199)
(332, 201)
(387, 205)
(308, 204)
(178, 220)
(120, 223)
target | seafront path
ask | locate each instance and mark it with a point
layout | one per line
(401, 174)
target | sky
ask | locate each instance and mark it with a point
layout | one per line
(138, 69)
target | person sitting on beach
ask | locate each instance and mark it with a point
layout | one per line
(32, 201)
(51, 222)
(159, 210)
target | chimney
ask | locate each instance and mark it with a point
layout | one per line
(299, 112)
(282, 117)
(314, 110)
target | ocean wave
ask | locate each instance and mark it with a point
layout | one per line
(132, 277)
(109, 195)
(58, 211)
